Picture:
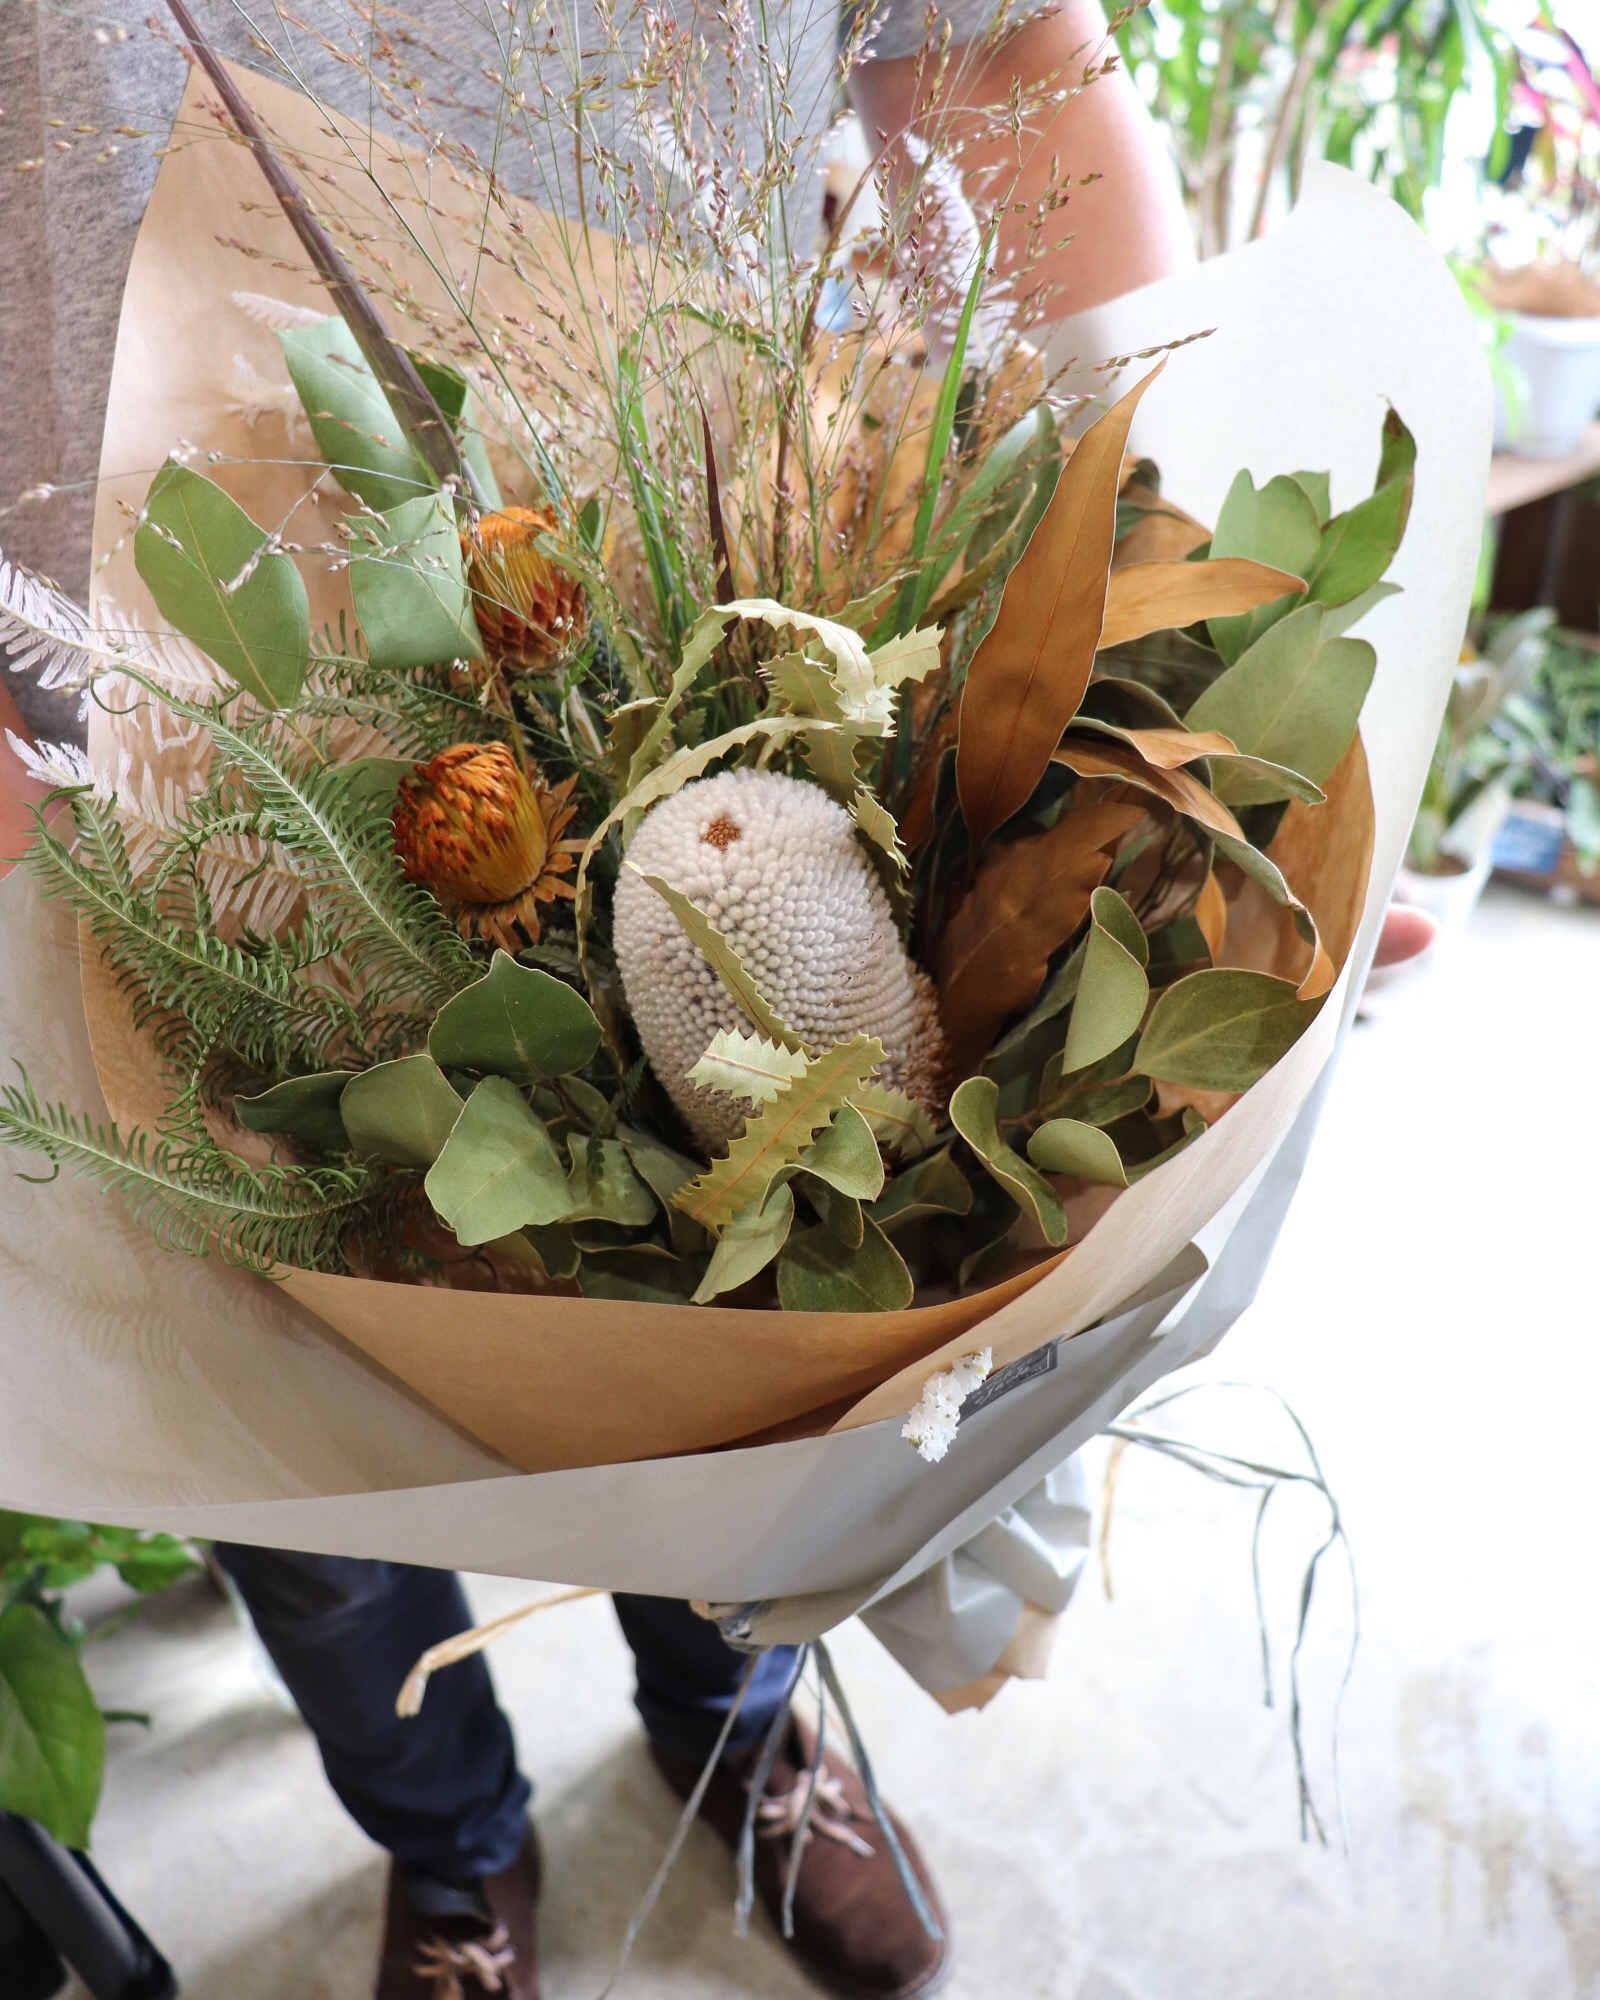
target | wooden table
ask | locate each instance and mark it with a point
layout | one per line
(1513, 481)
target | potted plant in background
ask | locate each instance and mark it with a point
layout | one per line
(1544, 245)
(1548, 733)
(1468, 788)
(1249, 94)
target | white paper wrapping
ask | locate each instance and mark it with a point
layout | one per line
(159, 1392)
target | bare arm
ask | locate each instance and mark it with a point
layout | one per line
(18, 792)
(1126, 228)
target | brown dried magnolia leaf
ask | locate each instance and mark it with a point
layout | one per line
(1029, 674)
(1026, 901)
(1164, 596)
(1100, 757)
(1326, 853)
(1165, 534)
(1211, 914)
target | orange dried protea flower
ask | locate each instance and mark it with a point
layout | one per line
(486, 839)
(529, 611)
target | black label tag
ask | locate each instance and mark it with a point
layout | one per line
(1040, 1362)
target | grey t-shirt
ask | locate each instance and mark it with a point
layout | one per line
(88, 101)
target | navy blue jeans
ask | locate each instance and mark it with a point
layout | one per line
(442, 1792)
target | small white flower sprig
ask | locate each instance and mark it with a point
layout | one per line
(931, 1426)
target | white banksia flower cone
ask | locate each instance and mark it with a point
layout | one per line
(779, 869)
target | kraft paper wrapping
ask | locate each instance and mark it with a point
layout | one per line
(165, 1392)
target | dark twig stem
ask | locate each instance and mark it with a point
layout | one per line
(416, 412)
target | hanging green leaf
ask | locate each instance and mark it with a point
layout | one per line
(839, 1212)
(1317, 488)
(216, 577)
(779, 1134)
(499, 1170)
(400, 1111)
(1064, 1146)
(350, 417)
(52, 1735)
(640, 1271)
(603, 1187)
(934, 1186)
(515, 1022)
(847, 1157)
(747, 1066)
(302, 1107)
(973, 1112)
(1294, 698)
(1359, 545)
(819, 1272)
(410, 588)
(1112, 987)
(748, 1245)
(1223, 1029)
(1276, 524)
(724, 961)
(1193, 1126)
(664, 1171)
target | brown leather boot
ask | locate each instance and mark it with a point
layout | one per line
(463, 1945)
(854, 1928)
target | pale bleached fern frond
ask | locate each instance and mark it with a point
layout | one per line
(62, 766)
(276, 314)
(47, 635)
(252, 887)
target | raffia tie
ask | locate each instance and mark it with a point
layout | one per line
(779, 1815)
(484, 1962)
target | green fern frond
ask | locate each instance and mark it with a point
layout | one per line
(393, 934)
(252, 998)
(194, 1197)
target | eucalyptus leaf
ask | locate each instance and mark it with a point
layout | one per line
(973, 1112)
(640, 1271)
(664, 1172)
(552, 1244)
(1277, 524)
(846, 1156)
(1112, 987)
(819, 1272)
(603, 1187)
(933, 1186)
(1294, 698)
(400, 1111)
(515, 1022)
(499, 1170)
(1338, 619)
(301, 1107)
(410, 588)
(1222, 1029)
(839, 1212)
(52, 1734)
(1064, 1146)
(1317, 487)
(215, 576)
(748, 1245)
(350, 418)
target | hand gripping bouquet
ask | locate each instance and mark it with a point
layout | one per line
(686, 849)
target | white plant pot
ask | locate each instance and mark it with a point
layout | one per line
(1557, 363)
(1449, 899)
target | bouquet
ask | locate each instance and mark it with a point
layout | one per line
(687, 869)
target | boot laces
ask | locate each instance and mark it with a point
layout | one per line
(483, 1961)
(779, 1814)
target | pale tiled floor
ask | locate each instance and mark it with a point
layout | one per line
(1125, 1830)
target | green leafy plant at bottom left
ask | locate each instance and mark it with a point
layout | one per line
(52, 1730)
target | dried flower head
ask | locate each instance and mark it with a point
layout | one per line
(779, 868)
(485, 838)
(529, 610)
